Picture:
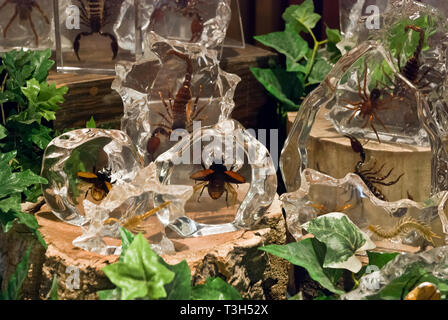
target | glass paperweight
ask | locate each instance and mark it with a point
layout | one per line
(86, 164)
(26, 24)
(196, 21)
(403, 225)
(167, 96)
(130, 205)
(91, 36)
(233, 178)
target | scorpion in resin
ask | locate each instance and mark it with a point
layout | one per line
(181, 112)
(134, 223)
(188, 8)
(95, 16)
(368, 176)
(412, 70)
(23, 9)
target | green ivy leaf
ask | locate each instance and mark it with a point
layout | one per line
(307, 254)
(284, 86)
(180, 287)
(342, 239)
(320, 70)
(292, 66)
(377, 259)
(334, 37)
(15, 282)
(11, 203)
(44, 98)
(302, 17)
(380, 259)
(215, 289)
(3, 132)
(126, 239)
(287, 42)
(414, 275)
(53, 294)
(91, 123)
(42, 64)
(140, 274)
(113, 294)
(41, 136)
(15, 182)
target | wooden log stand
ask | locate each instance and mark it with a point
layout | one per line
(233, 256)
(332, 154)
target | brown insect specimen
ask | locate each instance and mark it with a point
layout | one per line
(133, 223)
(23, 9)
(368, 176)
(424, 291)
(324, 209)
(217, 179)
(95, 16)
(406, 225)
(188, 8)
(101, 183)
(181, 112)
(369, 105)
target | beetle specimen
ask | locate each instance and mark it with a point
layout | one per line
(188, 8)
(217, 179)
(133, 223)
(369, 105)
(95, 16)
(181, 112)
(368, 176)
(100, 180)
(23, 9)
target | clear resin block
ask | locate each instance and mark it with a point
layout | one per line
(203, 22)
(232, 174)
(26, 24)
(395, 225)
(86, 164)
(399, 115)
(428, 72)
(91, 36)
(414, 35)
(131, 205)
(375, 102)
(432, 263)
(158, 109)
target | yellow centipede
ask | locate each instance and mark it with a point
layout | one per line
(405, 225)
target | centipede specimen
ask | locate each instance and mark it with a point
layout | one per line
(405, 225)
